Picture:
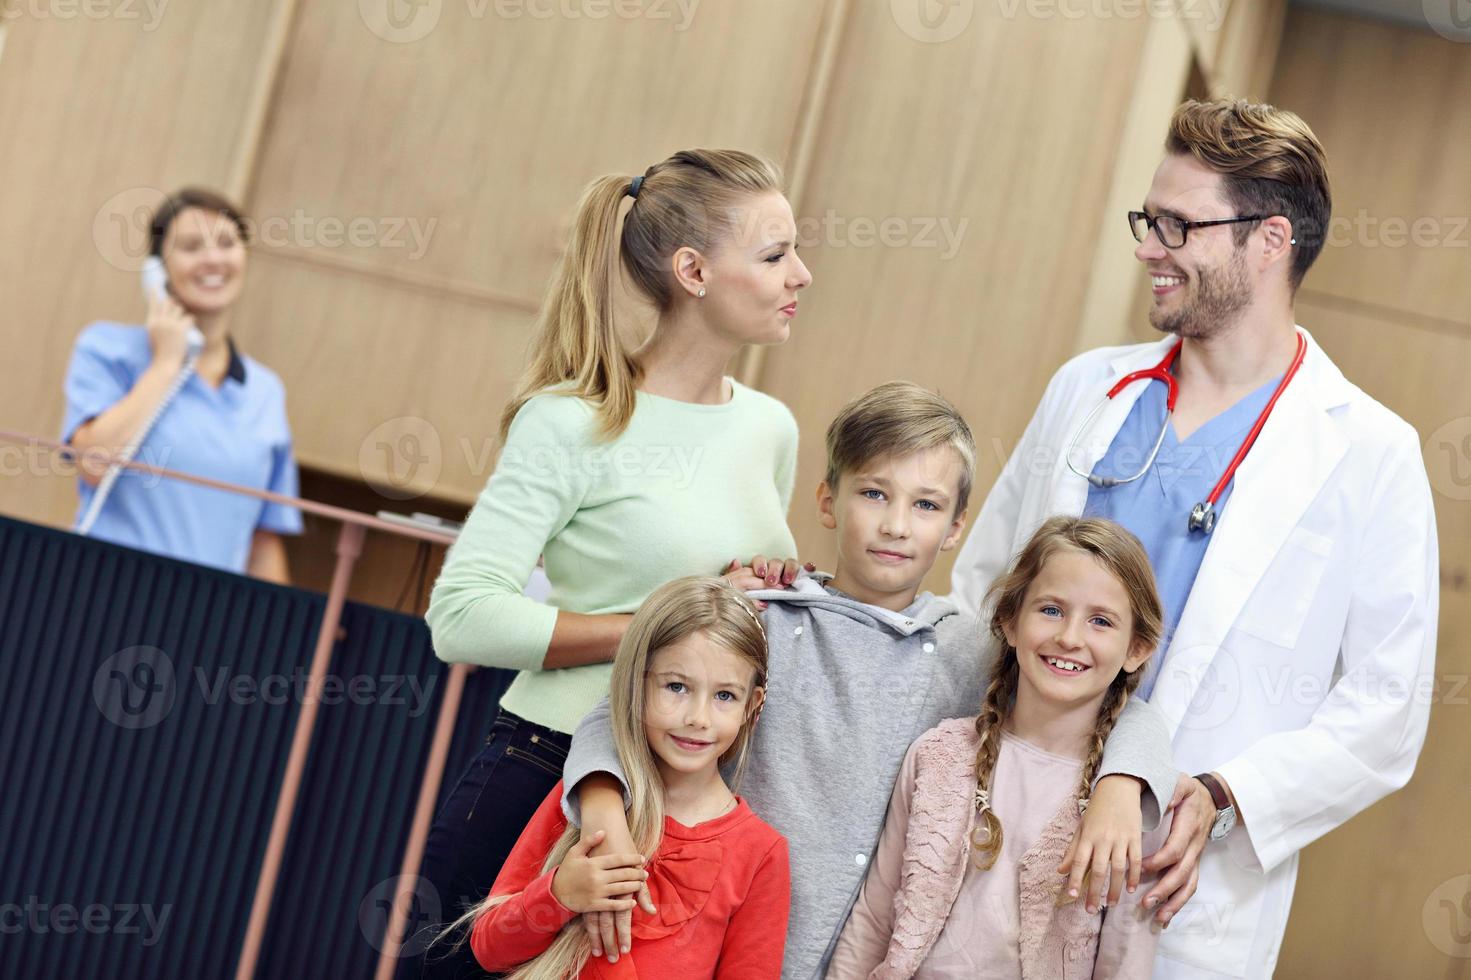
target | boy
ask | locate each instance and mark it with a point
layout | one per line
(861, 664)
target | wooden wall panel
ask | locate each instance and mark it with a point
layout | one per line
(371, 363)
(1246, 55)
(1117, 284)
(1392, 857)
(1398, 157)
(1379, 896)
(986, 138)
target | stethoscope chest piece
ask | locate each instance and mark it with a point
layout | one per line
(1203, 517)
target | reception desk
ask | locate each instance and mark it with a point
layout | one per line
(147, 717)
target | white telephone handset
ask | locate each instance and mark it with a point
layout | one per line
(155, 277)
(155, 285)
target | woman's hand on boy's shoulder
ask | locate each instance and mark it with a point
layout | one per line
(764, 573)
(597, 884)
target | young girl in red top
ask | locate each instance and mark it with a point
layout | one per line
(688, 683)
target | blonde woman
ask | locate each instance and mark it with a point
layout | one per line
(623, 468)
(965, 882)
(688, 685)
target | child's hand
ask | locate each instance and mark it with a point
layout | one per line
(612, 930)
(597, 884)
(1108, 844)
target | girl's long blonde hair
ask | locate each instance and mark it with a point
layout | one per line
(689, 200)
(681, 608)
(1123, 556)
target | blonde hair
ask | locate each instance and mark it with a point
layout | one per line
(689, 200)
(675, 611)
(895, 419)
(1270, 163)
(1121, 554)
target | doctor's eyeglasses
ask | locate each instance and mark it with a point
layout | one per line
(1172, 230)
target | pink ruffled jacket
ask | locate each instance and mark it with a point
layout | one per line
(1056, 941)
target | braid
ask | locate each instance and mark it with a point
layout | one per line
(1108, 716)
(995, 707)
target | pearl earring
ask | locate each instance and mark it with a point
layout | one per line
(1294, 241)
(701, 293)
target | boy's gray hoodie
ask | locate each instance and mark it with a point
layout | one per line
(849, 686)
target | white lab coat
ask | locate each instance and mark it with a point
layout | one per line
(1302, 665)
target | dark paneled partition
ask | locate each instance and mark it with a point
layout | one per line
(146, 712)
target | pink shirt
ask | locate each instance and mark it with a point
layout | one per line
(980, 939)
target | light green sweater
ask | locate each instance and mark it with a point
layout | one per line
(683, 490)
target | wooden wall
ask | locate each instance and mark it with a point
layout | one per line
(1385, 895)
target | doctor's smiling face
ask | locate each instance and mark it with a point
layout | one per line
(1202, 286)
(1227, 159)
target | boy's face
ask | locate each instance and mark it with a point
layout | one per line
(893, 516)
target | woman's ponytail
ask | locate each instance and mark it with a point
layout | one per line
(576, 338)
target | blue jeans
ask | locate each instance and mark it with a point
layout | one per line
(473, 835)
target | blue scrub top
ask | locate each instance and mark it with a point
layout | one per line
(1156, 507)
(237, 433)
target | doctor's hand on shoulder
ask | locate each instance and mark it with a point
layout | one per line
(1178, 858)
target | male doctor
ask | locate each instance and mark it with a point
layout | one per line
(1300, 587)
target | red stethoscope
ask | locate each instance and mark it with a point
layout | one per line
(1202, 515)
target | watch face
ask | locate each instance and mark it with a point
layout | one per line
(1225, 821)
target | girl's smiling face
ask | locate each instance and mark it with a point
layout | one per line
(697, 696)
(1074, 631)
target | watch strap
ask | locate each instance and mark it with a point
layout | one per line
(1217, 791)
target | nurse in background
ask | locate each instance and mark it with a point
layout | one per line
(228, 422)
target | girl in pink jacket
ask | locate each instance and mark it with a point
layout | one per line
(966, 882)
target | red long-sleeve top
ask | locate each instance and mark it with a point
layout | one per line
(721, 889)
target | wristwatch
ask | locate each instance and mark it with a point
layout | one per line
(1225, 812)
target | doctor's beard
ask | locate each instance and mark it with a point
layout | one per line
(1218, 298)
